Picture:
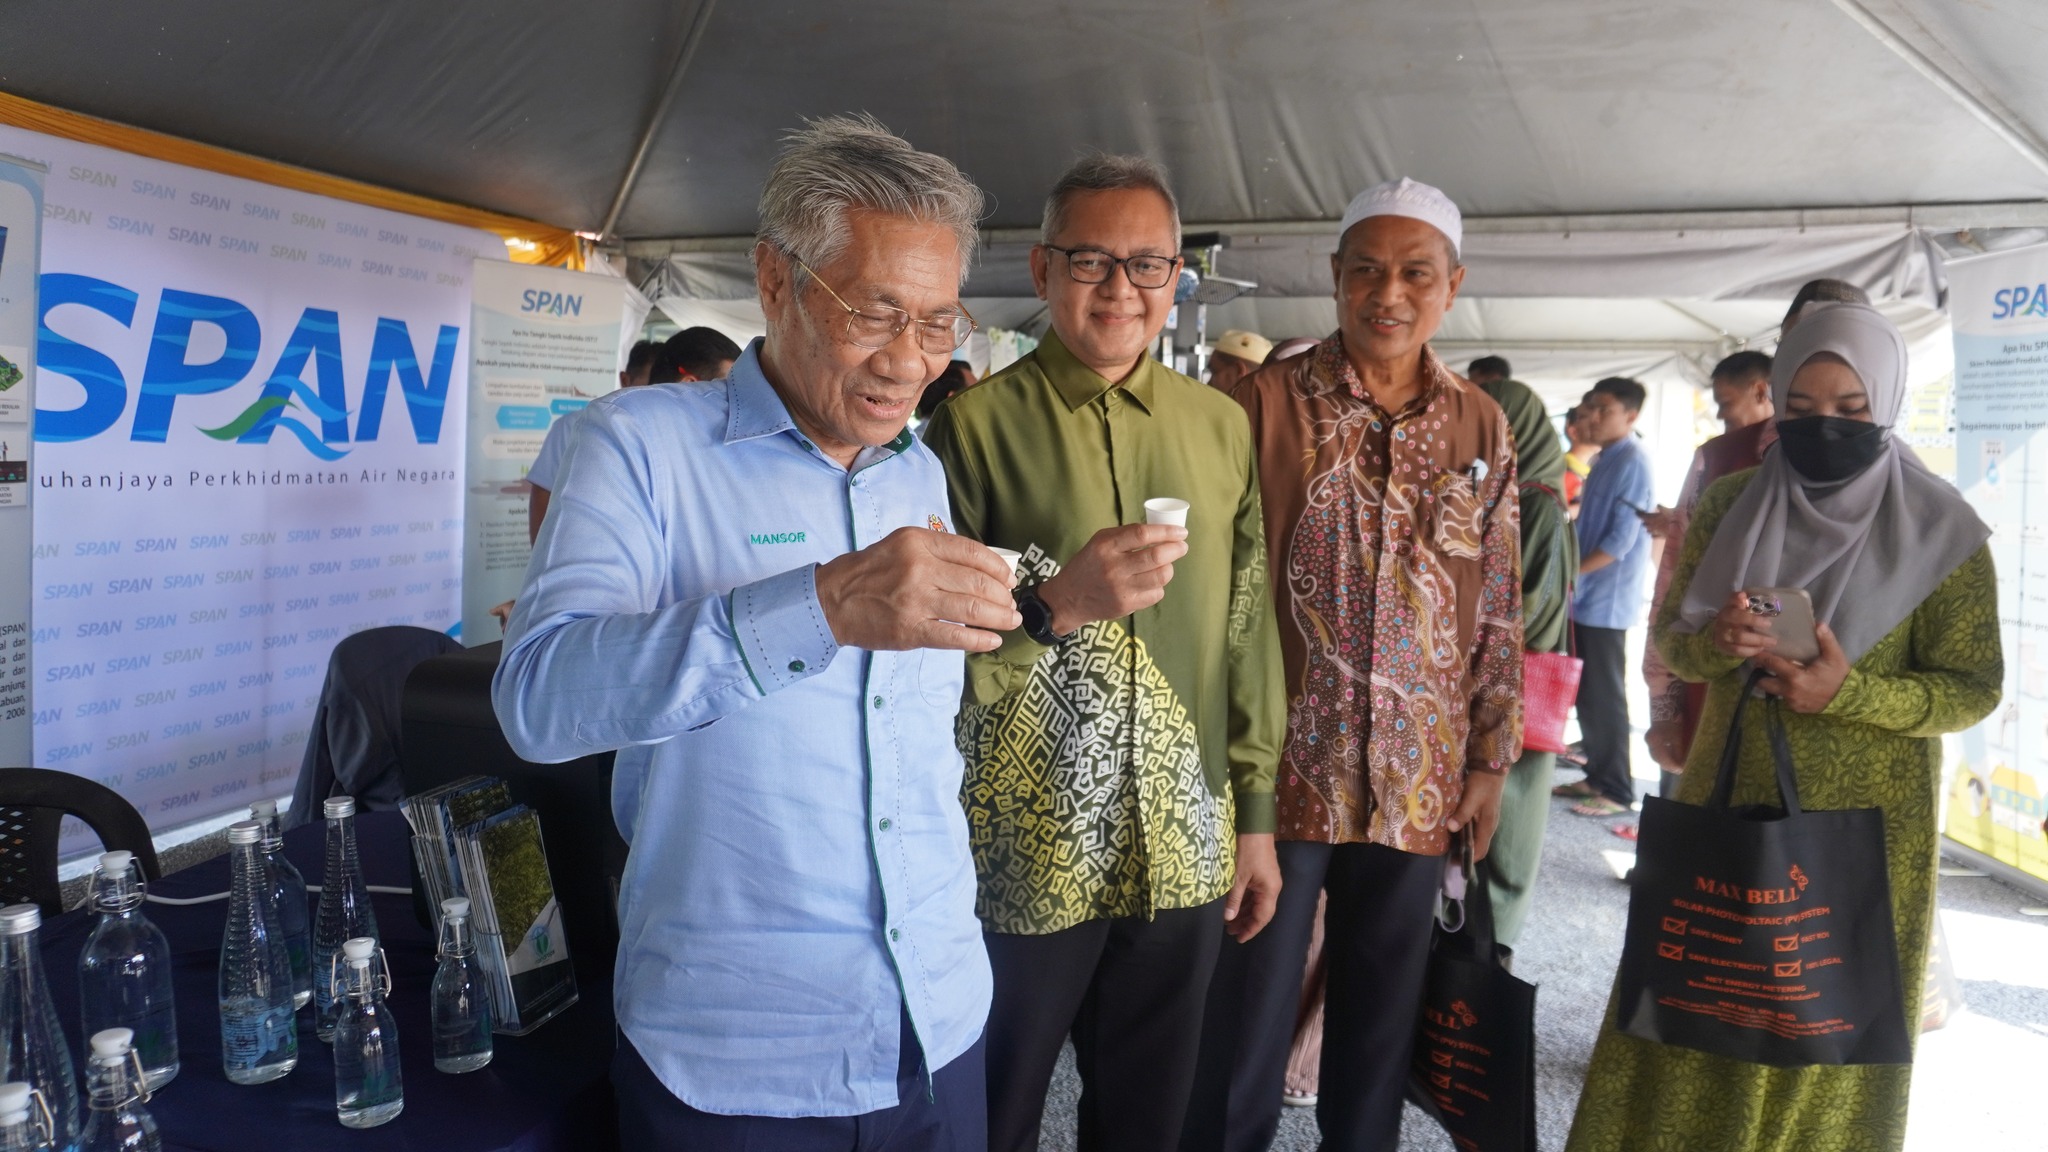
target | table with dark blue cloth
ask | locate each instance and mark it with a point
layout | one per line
(546, 1090)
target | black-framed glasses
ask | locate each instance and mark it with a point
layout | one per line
(878, 325)
(1093, 266)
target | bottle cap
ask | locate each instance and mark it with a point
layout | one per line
(455, 907)
(16, 919)
(14, 1102)
(112, 1045)
(338, 806)
(262, 809)
(359, 950)
(116, 863)
(245, 832)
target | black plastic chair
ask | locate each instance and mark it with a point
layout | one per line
(33, 804)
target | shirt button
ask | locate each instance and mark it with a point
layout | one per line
(895, 935)
(796, 665)
(885, 823)
(878, 701)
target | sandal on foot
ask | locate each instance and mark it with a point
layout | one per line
(1628, 832)
(1600, 806)
(1576, 790)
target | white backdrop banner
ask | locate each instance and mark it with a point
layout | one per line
(544, 343)
(1999, 304)
(21, 215)
(249, 429)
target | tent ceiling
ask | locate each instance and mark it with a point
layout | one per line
(1277, 110)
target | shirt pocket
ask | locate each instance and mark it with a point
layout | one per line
(942, 678)
(1457, 516)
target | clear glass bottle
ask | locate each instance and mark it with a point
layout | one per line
(36, 1050)
(124, 973)
(259, 1040)
(24, 1120)
(292, 911)
(344, 909)
(116, 1090)
(461, 1007)
(367, 1087)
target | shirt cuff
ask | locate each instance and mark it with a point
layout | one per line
(1255, 813)
(781, 629)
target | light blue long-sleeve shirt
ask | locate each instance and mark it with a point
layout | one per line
(799, 872)
(1614, 596)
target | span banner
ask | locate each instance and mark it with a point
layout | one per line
(1999, 307)
(544, 342)
(21, 217)
(249, 437)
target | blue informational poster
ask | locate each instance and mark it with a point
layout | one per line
(21, 213)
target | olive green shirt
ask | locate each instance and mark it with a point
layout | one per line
(1110, 775)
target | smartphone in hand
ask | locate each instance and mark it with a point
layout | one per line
(1788, 616)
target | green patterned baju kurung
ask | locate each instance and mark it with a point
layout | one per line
(1877, 745)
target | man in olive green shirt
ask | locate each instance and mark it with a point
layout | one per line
(1120, 748)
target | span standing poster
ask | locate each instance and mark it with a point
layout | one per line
(544, 343)
(1999, 307)
(21, 215)
(249, 429)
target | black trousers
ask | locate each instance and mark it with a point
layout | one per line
(1376, 947)
(1603, 710)
(946, 1115)
(1130, 993)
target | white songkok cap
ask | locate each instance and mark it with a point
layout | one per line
(1405, 197)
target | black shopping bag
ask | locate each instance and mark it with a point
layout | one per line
(1474, 1068)
(1763, 934)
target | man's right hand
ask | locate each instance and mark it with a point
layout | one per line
(1118, 571)
(917, 588)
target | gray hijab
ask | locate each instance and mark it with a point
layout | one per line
(1893, 532)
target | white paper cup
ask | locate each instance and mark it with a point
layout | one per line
(1166, 510)
(1012, 558)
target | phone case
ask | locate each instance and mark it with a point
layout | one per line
(1788, 613)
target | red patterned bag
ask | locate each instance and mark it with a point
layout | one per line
(1550, 683)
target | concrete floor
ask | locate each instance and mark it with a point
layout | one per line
(1978, 1082)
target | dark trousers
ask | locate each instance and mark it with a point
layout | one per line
(946, 1115)
(1130, 993)
(1376, 934)
(1603, 710)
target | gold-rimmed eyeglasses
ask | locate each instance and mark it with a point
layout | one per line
(878, 325)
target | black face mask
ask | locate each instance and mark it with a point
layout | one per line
(1827, 449)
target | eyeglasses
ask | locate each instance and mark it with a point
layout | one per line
(878, 325)
(1093, 266)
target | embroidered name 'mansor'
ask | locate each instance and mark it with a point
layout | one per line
(776, 537)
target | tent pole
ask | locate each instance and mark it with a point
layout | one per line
(2021, 140)
(691, 39)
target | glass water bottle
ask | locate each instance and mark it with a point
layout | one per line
(124, 973)
(344, 909)
(259, 1040)
(36, 1049)
(292, 911)
(24, 1119)
(367, 1087)
(116, 1090)
(461, 1006)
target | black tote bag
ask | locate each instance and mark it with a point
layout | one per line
(1474, 1067)
(1763, 934)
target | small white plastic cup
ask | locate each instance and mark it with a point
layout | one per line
(1011, 558)
(1166, 510)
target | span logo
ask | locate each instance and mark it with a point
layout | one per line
(169, 372)
(2018, 301)
(537, 302)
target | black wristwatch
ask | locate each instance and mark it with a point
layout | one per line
(1037, 617)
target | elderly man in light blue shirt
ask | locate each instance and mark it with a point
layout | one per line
(751, 590)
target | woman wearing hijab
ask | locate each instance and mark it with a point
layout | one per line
(1550, 557)
(1911, 653)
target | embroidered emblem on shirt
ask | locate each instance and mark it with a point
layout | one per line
(935, 524)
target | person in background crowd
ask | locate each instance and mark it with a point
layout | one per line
(1487, 370)
(1391, 519)
(1120, 747)
(732, 591)
(1614, 559)
(1291, 347)
(1550, 560)
(1238, 354)
(1742, 398)
(1903, 587)
(639, 362)
(695, 356)
(957, 378)
(1582, 450)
